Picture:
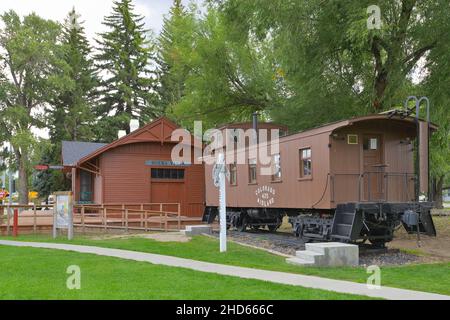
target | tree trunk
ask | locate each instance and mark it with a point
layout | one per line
(438, 189)
(23, 178)
(381, 83)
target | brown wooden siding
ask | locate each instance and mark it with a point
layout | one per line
(292, 191)
(397, 156)
(127, 179)
(336, 168)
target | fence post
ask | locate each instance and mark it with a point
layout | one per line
(126, 220)
(82, 220)
(104, 218)
(179, 217)
(166, 222)
(123, 214)
(16, 223)
(34, 219)
(146, 221)
(8, 215)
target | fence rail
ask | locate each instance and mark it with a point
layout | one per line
(122, 216)
(127, 216)
(36, 210)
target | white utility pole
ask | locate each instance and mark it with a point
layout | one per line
(219, 174)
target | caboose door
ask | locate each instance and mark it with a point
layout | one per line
(373, 167)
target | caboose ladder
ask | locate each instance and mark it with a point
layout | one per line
(347, 223)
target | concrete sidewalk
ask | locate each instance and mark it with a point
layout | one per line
(247, 273)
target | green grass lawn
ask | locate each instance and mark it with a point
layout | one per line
(30, 273)
(426, 277)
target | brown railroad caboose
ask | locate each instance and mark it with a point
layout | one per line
(358, 168)
(136, 169)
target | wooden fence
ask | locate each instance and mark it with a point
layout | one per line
(39, 212)
(121, 216)
(129, 216)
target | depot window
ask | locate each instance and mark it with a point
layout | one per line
(168, 174)
(305, 163)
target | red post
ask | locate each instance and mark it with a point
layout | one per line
(16, 223)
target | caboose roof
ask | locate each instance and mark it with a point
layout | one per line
(330, 127)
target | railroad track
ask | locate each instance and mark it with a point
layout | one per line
(288, 243)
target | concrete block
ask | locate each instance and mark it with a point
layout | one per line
(329, 254)
(335, 253)
(308, 255)
(299, 261)
(197, 230)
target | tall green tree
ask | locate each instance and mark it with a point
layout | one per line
(436, 87)
(71, 114)
(231, 74)
(29, 57)
(124, 59)
(174, 46)
(335, 66)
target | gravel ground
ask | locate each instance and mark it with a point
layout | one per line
(288, 244)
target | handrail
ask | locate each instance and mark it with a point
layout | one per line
(368, 175)
(26, 206)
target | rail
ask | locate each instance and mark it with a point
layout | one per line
(37, 214)
(127, 217)
(372, 186)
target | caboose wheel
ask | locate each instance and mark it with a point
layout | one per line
(242, 226)
(378, 243)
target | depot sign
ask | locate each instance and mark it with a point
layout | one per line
(44, 167)
(41, 167)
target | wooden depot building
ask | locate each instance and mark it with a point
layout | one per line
(135, 169)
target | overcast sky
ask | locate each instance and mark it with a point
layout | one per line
(92, 11)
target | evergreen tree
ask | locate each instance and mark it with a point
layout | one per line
(123, 60)
(71, 117)
(176, 37)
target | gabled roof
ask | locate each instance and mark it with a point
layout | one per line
(159, 130)
(73, 151)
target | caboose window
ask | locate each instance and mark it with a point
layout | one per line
(233, 174)
(305, 163)
(371, 144)
(276, 162)
(252, 171)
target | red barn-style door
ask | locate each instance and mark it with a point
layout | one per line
(167, 186)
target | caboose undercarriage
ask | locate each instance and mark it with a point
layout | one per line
(352, 222)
